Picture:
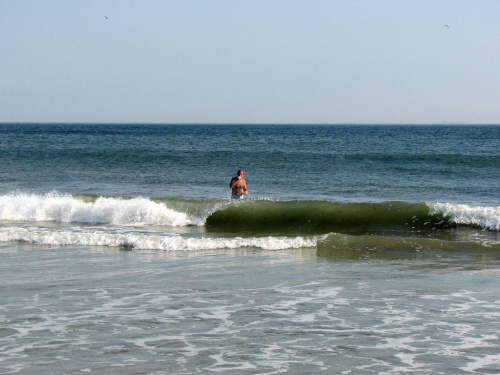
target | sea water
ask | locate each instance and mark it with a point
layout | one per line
(359, 249)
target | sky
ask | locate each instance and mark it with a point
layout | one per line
(250, 61)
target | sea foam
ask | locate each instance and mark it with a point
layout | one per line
(148, 240)
(68, 209)
(462, 214)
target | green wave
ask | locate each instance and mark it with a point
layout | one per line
(323, 217)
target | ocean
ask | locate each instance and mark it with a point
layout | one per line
(360, 249)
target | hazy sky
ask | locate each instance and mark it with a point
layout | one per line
(250, 61)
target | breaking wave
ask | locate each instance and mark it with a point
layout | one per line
(150, 240)
(103, 210)
(171, 224)
(462, 214)
(293, 216)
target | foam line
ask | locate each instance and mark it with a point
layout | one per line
(149, 241)
(462, 214)
(67, 209)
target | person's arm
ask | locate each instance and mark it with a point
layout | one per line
(245, 190)
(234, 180)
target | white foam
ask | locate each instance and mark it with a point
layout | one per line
(478, 363)
(484, 217)
(67, 209)
(148, 240)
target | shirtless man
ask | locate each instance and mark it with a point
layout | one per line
(238, 186)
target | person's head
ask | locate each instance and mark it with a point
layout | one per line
(240, 173)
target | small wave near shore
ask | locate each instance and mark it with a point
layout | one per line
(163, 223)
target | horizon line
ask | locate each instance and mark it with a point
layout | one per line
(245, 123)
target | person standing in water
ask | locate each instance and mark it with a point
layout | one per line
(238, 186)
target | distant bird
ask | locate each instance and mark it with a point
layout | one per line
(106, 17)
(443, 26)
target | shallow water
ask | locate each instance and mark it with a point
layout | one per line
(100, 311)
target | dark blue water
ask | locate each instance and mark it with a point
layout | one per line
(457, 164)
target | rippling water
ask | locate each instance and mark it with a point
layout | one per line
(359, 250)
(247, 312)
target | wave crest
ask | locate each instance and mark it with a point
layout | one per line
(462, 214)
(261, 216)
(67, 209)
(150, 241)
